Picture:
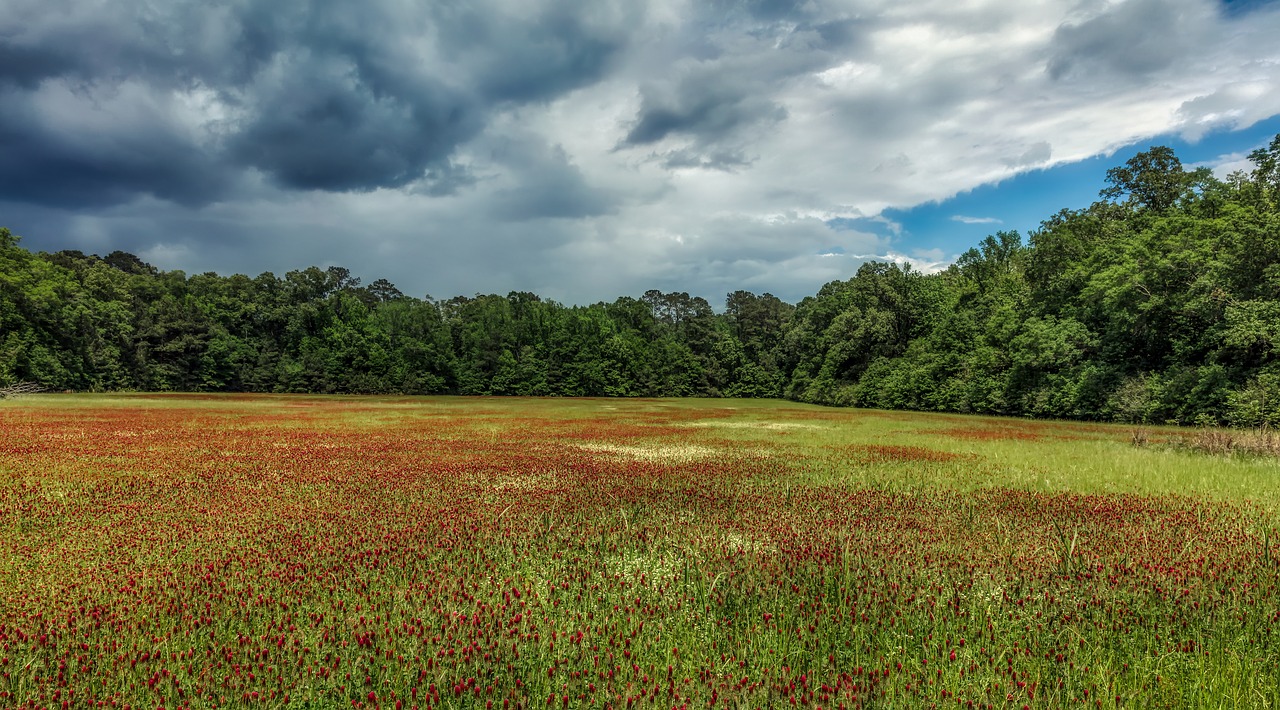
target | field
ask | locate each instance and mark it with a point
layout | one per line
(185, 551)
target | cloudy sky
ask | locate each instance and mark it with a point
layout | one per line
(586, 150)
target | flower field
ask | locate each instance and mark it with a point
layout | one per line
(275, 551)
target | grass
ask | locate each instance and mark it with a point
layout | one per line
(279, 551)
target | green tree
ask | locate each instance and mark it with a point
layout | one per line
(1152, 180)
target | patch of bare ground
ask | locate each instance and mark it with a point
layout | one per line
(771, 426)
(663, 453)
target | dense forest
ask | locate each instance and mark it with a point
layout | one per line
(1158, 303)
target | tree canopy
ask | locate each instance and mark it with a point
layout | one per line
(1158, 303)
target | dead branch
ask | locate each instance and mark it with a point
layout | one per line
(19, 389)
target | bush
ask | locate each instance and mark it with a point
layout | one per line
(1257, 404)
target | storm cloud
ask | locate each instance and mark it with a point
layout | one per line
(1137, 38)
(174, 100)
(582, 151)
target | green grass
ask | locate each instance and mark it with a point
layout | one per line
(503, 550)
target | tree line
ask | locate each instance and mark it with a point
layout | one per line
(1160, 302)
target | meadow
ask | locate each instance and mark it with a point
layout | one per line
(383, 552)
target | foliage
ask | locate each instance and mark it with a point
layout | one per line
(1159, 303)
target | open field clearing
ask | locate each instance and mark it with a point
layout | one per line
(278, 551)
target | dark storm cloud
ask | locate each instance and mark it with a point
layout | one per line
(714, 112)
(547, 184)
(763, 9)
(444, 180)
(1132, 39)
(42, 164)
(311, 94)
(724, 160)
(323, 124)
(717, 103)
(28, 66)
(560, 195)
(1236, 8)
(839, 34)
(724, 97)
(578, 150)
(529, 59)
(702, 110)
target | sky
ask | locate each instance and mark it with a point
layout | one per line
(585, 151)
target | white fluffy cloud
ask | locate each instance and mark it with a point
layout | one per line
(679, 145)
